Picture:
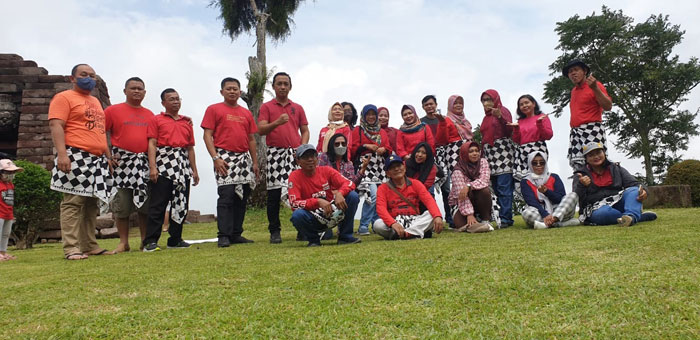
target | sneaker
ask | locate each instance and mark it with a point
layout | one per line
(223, 242)
(349, 240)
(570, 223)
(540, 225)
(625, 221)
(181, 244)
(326, 234)
(300, 237)
(151, 247)
(648, 216)
(363, 231)
(505, 225)
(275, 237)
(428, 234)
(240, 239)
(313, 244)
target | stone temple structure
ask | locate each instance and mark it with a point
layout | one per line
(25, 93)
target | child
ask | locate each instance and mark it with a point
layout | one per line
(8, 169)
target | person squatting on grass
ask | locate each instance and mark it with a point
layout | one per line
(548, 204)
(399, 203)
(607, 193)
(172, 164)
(126, 127)
(370, 141)
(321, 198)
(284, 124)
(81, 167)
(470, 198)
(499, 150)
(8, 169)
(588, 101)
(228, 136)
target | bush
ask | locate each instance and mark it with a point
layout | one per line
(686, 173)
(35, 203)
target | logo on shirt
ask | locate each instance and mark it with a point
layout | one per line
(233, 118)
(93, 118)
(8, 196)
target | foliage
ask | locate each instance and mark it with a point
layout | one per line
(35, 203)
(647, 83)
(686, 172)
(563, 283)
(238, 17)
(477, 134)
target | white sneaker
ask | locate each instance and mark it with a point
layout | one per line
(570, 223)
(540, 225)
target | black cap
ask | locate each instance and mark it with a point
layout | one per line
(575, 62)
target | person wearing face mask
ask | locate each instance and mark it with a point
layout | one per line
(371, 142)
(81, 167)
(384, 123)
(8, 169)
(336, 158)
(548, 204)
(411, 133)
(126, 126)
(470, 197)
(336, 124)
(228, 136)
(589, 99)
(530, 133)
(607, 192)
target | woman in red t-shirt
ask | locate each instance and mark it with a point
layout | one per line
(335, 125)
(8, 169)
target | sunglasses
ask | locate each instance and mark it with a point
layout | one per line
(340, 144)
(538, 163)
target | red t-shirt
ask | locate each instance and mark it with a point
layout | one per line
(171, 132)
(84, 120)
(603, 180)
(304, 191)
(128, 126)
(406, 142)
(7, 200)
(359, 139)
(286, 135)
(231, 125)
(584, 107)
(390, 205)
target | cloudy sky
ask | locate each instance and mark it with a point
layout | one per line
(384, 52)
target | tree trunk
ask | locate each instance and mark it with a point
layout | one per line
(646, 153)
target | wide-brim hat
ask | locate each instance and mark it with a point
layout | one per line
(9, 165)
(575, 62)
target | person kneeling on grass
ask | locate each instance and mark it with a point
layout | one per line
(548, 204)
(607, 193)
(398, 206)
(321, 198)
(470, 195)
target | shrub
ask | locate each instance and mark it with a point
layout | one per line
(688, 173)
(35, 203)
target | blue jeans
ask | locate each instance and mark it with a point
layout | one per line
(503, 186)
(369, 211)
(309, 226)
(628, 205)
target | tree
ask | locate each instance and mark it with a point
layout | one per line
(271, 18)
(646, 83)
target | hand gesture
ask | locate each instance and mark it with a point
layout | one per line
(543, 116)
(440, 117)
(542, 188)
(399, 230)
(496, 112)
(585, 180)
(284, 118)
(591, 81)
(513, 124)
(381, 150)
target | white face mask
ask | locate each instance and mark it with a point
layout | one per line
(340, 150)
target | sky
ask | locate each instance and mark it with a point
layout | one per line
(383, 52)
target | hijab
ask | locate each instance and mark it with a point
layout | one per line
(333, 126)
(497, 104)
(332, 156)
(539, 180)
(464, 128)
(387, 112)
(417, 125)
(371, 130)
(468, 168)
(423, 169)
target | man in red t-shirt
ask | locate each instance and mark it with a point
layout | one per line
(171, 163)
(284, 124)
(588, 101)
(320, 196)
(228, 135)
(126, 125)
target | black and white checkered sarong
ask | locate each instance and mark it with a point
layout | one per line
(240, 170)
(89, 176)
(280, 164)
(501, 156)
(337, 216)
(610, 200)
(447, 156)
(373, 175)
(174, 164)
(132, 173)
(521, 152)
(582, 135)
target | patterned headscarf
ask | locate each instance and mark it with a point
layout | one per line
(371, 130)
(417, 125)
(464, 128)
(332, 127)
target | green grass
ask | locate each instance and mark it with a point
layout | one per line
(579, 282)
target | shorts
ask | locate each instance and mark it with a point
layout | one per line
(122, 205)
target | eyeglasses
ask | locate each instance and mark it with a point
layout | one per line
(340, 144)
(538, 163)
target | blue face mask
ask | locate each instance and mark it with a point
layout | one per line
(86, 83)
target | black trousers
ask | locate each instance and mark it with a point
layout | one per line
(161, 195)
(274, 197)
(230, 210)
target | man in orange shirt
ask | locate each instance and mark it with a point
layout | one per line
(81, 169)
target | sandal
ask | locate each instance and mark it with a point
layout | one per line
(76, 256)
(100, 252)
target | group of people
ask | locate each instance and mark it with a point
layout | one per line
(128, 159)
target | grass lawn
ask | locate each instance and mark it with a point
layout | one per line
(578, 282)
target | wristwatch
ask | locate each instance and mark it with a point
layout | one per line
(215, 157)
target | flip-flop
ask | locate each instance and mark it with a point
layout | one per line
(75, 256)
(101, 252)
